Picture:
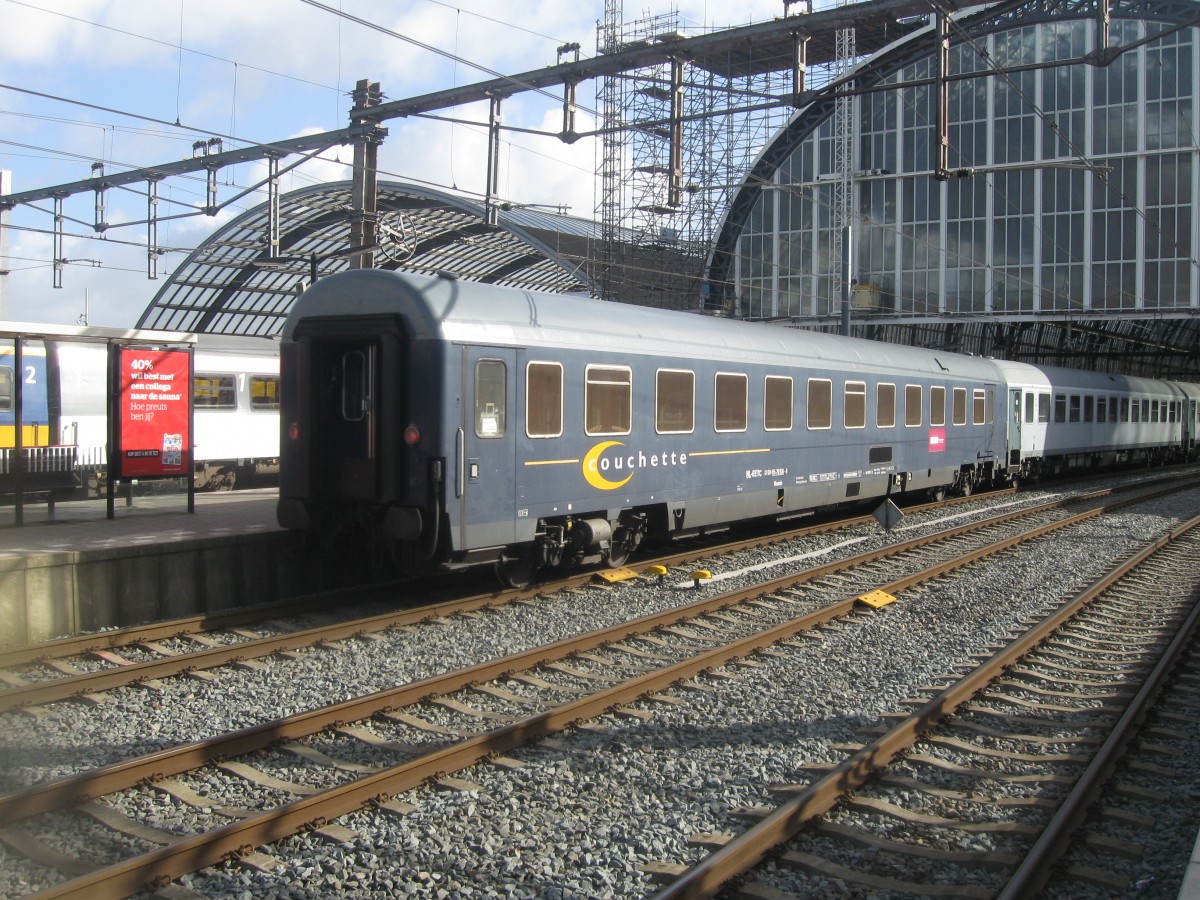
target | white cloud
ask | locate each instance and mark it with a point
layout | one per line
(264, 70)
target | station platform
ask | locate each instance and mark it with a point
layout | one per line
(71, 569)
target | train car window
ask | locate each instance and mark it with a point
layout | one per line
(1136, 411)
(777, 403)
(544, 400)
(1101, 410)
(1030, 407)
(990, 407)
(214, 392)
(675, 401)
(1043, 408)
(1073, 408)
(608, 399)
(978, 406)
(1153, 410)
(912, 406)
(855, 403)
(820, 403)
(729, 402)
(1060, 408)
(1145, 409)
(264, 392)
(491, 398)
(6, 388)
(1088, 409)
(1124, 409)
(356, 385)
(937, 406)
(1112, 409)
(885, 405)
(960, 406)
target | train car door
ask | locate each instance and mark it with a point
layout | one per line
(1190, 427)
(345, 380)
(1014, 427)
(484, 480)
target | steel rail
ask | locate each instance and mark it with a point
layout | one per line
(191, 853)
(59, 793)
(56, 689)
(1033, 873)
(114, 638)
(22, 804)
(744, 852)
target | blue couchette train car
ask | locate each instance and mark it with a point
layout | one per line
(463, 423)
(457, 423)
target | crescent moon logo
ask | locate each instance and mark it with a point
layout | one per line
(591, 468)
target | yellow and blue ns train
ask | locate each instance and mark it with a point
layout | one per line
(458, 423)
(30, 380)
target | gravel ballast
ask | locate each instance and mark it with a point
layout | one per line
(592, 806)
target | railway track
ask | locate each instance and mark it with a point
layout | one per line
(978, 791)
(87, 665)
(438, 725)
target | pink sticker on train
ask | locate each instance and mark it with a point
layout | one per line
(937, 440)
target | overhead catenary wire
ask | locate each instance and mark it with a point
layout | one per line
(298, 174)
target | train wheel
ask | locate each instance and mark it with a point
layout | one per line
(516, 571)
(627, 537)
(937, 494)
(618, 555)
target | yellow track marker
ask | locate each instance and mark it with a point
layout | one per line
(877, 599)
(623, 573)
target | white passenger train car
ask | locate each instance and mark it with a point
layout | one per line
(1066, 418)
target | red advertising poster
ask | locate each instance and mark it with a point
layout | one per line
(154, 433)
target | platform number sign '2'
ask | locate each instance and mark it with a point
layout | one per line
(154, 424)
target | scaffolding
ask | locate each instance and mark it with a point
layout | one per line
(678, 139)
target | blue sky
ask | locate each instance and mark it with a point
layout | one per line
(258, 71)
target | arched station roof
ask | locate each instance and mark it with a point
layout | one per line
(232, 285)
(1151, 335)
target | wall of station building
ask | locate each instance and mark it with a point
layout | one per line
(1035, 231)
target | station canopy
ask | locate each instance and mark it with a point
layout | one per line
(231, 284)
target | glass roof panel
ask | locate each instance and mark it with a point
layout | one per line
(232, 285)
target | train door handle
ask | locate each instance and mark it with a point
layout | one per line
(459, 462)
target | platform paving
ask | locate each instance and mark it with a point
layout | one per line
(81, 525)
(73, 569)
